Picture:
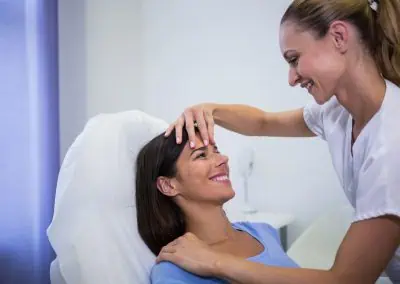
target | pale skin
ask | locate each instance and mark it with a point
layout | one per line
(337, 65)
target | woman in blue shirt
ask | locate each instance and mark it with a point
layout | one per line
(179, 190)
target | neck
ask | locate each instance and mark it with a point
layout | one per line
(209, 223)
(361, 91)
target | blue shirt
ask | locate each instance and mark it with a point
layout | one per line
(273, 255)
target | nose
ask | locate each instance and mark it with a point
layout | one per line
(293, 77)
(221, 160)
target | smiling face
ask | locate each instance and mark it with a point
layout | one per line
(315, 64)
(202, 176)
(174, 181)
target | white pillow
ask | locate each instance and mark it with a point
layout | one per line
(94, 229)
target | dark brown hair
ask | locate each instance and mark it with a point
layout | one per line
(159, 218)
(379, 30)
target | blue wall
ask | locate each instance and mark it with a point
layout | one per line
(29, 146)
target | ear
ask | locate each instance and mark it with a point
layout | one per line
(339, 32)
(166, 186)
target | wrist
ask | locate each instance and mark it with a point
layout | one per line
(215, 111)
(212, 107)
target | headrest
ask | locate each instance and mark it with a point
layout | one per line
(94, 229)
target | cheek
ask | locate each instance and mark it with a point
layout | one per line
(196, 171)
(194, 175)
(323, 67)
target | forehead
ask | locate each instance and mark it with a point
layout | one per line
(187, 151)
(291, 37)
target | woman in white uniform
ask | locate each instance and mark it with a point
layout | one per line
(346, 53)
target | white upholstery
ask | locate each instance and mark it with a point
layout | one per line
(94, 229)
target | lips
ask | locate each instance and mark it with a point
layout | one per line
(221, 177)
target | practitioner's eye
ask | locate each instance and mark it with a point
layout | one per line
(293, 61)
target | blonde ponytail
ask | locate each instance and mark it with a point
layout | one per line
(378, 22)
(387, 51)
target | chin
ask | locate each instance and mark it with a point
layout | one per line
(227, 197)
(321, 98)
(319, 101)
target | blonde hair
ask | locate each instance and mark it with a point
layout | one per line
(379, 30)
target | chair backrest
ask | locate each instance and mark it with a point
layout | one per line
(318, 245)
(94, 228)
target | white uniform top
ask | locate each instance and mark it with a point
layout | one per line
(370, 174)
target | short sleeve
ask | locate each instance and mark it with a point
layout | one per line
(378, 191)
(313, 114)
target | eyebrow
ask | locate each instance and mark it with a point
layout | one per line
(204, 148)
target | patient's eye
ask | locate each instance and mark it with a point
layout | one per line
(201, 155)
(203, 152)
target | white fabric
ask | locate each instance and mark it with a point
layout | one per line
(370, 174)
(94, 228)
(55, 273)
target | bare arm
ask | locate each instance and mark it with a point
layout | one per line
(363, 255)
(252, 121)
(243, 119)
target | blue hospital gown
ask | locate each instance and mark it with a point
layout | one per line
(273, 255)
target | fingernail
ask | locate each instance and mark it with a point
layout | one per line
(206, 142)
(191, 144)
(178, 140)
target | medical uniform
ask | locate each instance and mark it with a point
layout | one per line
(370, 170)
(273, 254)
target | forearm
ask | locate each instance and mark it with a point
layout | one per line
(241, 119)
(251, 121)
(240, 271)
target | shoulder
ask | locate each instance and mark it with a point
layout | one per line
(321, 119)
(390, 116)
(334, 114)
(383, 138)
(169, 273)
(378, 171)
(331, 107)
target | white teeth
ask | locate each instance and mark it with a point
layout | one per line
(220, 178)
(308, 85)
